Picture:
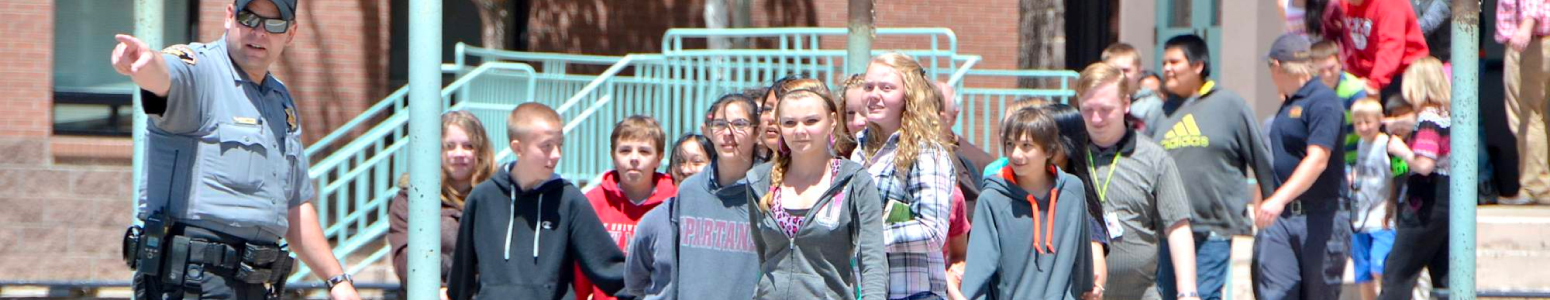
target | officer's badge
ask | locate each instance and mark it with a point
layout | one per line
(290, 118)
(183, 53)
(1296, 112)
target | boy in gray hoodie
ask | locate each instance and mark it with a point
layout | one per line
(1030, 235)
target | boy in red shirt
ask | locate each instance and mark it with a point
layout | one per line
(633, 188)
(1381, 38)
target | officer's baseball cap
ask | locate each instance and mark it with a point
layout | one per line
(287, 7)
(1290, 47)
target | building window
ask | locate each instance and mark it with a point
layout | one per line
(90, 98)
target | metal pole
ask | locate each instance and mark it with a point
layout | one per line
(1465, 142)
(424, 149)
(148, 28)
(862, 31)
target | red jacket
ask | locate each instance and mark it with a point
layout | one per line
(619, 217)
(1381, 39)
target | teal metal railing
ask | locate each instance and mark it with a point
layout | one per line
(934, 47)
(355, 184)
(677, 84)
(983, 105)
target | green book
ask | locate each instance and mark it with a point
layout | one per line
(897, 212)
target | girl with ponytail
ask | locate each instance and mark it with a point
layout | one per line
(814, 211)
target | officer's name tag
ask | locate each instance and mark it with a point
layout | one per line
(1115, 230)
(245, 121)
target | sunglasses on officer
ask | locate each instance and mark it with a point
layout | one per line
(272, 25)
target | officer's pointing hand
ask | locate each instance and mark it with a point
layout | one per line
(130, 55)
(134, 58)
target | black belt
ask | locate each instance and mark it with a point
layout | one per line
(1298, 208)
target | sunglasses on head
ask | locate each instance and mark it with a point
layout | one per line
(272, 25)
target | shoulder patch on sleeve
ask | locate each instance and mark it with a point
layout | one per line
(183, 53)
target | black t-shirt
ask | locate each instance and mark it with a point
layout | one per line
(1313, 116)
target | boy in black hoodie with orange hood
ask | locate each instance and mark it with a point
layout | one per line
(525, 228)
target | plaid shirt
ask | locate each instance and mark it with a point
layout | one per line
(1511, 12)
(915, 262)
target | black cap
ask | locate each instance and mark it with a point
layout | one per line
(1290, 47)
(287, 7)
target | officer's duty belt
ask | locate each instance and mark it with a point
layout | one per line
(249, 263)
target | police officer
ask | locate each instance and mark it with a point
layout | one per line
(1304, 239)
(224, 163)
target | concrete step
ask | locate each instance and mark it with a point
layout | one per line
(1514, 243)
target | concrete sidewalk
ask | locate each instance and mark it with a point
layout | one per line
(1514, 253)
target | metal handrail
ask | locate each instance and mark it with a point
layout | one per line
(672, 41)
(394, 100)
(362, 141)
(969, 61)
(463, 51)
(592, 87)
(980, 128)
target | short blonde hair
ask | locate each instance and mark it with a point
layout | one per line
(1324, 50)
(1296, 67)
(1424, 84)
(531, 113)
(1367, 107)
(1121, 50)
(1099, 74)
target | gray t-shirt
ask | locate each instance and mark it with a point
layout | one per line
(1371, 184)
(1215, 139)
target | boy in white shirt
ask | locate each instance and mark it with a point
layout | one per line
(1371, 190)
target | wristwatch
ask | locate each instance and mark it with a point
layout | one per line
(1188, 295)
(336, 280)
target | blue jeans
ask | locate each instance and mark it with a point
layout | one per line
(1213, 256)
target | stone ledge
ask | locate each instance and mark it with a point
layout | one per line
(117, 151)
(24, 151)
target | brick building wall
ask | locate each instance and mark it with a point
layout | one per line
(28, 47)
(987, 28)
(984, 27)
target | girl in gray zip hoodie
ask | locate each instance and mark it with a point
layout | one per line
(807, 226)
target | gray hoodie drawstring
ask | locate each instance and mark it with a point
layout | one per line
(509, 223)
(537, 230)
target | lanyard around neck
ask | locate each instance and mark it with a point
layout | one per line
(1103, 189)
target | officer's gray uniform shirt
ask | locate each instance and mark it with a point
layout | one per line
(226, 152)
